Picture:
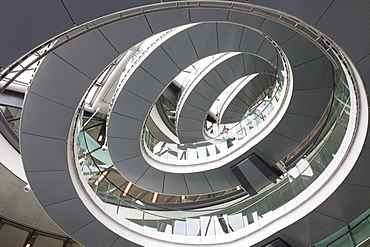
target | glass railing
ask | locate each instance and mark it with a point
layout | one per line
(19, 75)
(259, 110)
(223, 142)
(225, 98)
(145, 48)
(131, 60)
(15, 234)
(10, 74)
(243, 215)
(95, 161)
(354, 234)
(190, 76)
(12, 116)
(296, 186)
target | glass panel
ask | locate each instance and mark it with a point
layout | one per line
(111, 187)
(317, 163)
(344, 241)
(12, 116)
(274, 200)
(361, 232)
(262, 207)
(327, 154)
(255, 116)
(42, 241)
(164, 226)
(339, 131)
(179, 227)
(298, 186)
(287, 192)
(251, 214)
(12, 236)
(73, 245)
(308, 175)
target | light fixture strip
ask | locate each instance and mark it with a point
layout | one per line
(100, 138)
(128, 187)
(101, 177)
(155, 196)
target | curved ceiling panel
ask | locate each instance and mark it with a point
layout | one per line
(132, 102)
(45, 109)
(239, 105)
(202, 98)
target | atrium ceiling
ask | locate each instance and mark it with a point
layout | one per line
(29, 24)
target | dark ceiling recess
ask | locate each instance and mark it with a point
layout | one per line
(254, 173)
(277, 243)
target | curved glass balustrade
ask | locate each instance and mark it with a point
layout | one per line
(219, 106)
(19, 75)
(190, 77)
(355, 234)
(12, 116)
(16, 234)
(258, 112)
(244, 215)
(144, 49)
(223, 143)
(95, 162)
(248, 215)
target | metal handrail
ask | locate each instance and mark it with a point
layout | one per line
(74, 32)
(251, 205)
(153, 155)
(332, 47)
(189, 85)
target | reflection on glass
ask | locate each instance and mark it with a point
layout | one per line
(225, 137)
(13, 116)
(244, 213)
(15, 234)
